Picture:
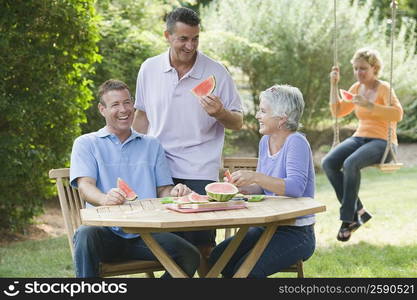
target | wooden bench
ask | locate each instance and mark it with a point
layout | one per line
(250, 163)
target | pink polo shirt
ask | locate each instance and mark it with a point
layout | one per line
(193, 141)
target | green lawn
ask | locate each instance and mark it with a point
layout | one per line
(385, 247)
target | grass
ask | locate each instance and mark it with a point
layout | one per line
(384, 247)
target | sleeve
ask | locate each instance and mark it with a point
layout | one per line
(140, 84)
(391, 113)
(297, 167)
(261, 154)
(229, 94)
(83, 162)
(162, 171)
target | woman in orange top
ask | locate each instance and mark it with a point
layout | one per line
(366, 147)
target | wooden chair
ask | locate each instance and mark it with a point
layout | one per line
(250, 163)
(71, 203)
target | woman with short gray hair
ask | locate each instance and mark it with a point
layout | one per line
(285, 101)
(285, 168)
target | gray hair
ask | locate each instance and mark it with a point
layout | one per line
(285, 101)
(183, 15)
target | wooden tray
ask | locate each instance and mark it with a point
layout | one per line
(211, 206)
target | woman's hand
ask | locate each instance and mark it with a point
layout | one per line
(243, 177)
(334, 75)
(362, 101)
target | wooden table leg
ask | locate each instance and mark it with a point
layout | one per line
(168, 263)
(228, 252)
(256, 252)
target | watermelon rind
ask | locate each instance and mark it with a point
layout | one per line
(221, 197)
(210, 78)
(256, 198)
(342, 93)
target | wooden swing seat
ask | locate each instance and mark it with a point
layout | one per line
(389, 167)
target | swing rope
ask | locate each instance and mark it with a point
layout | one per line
(389, 147)
(336, 138)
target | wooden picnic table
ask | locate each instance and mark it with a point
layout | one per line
(146, 216)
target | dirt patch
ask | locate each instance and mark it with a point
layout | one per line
(49, 224)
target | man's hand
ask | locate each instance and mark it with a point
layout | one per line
(114, 197)
(180, 190)
(215, 108)
(212, 105)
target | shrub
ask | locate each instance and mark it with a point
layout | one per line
(47, 48)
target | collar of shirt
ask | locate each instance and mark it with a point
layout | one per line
(195, 72)
(104, 132)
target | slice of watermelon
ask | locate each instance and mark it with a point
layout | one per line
(130, 194)
(205, 88)
(183, 199)
(346, 96)
(197, 198)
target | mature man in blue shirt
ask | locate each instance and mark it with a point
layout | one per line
(97, 160)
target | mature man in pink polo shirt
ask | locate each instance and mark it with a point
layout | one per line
(190, 129)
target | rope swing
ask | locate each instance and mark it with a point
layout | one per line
(336, 138)
(390, 167)
(382, 166)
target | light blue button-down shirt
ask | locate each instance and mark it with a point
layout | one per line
(140, 161)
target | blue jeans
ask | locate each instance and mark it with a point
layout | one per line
(342, 166)
(95, 244)
(200, 237)
(288, 245)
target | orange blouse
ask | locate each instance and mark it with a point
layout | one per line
(373, 122)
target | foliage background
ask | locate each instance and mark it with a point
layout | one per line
(267, 45)
(47, 49)
(130, 32)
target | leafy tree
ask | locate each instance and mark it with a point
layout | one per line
(279, 41)
(131, 31)
(47, 48)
